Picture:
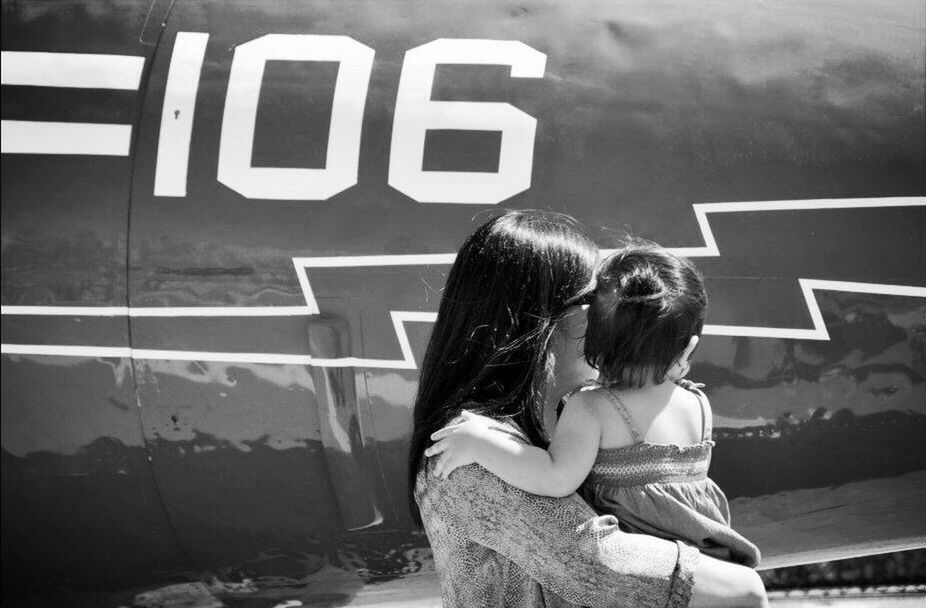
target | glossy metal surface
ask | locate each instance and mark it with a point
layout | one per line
(120, 472)
(80, 501)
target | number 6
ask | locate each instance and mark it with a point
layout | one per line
(415, 113)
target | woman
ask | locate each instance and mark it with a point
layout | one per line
(505, 344)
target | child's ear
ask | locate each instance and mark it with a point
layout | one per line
(692, 345)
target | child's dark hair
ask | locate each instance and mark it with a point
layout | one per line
(647, 305)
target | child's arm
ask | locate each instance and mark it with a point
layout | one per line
(554, 472)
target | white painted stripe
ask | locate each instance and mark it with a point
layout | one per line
(58, 350)
(818, 203)
(710, 248)
(182, 355)
(351, 261)
(221, 311)
(186, 62)
(72, 70)
(880, 288)
(818, 331)
(66, 311)
(159, 311)
(355, 261)
(399, 318)
(745, 331)
(34, 137)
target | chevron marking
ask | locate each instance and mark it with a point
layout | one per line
(710, 249)
(818, 332)
(400, 317)
(354, 261)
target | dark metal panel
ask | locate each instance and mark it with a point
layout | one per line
(80, 505)
(820, 444)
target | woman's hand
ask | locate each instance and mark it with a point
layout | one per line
(461, 444)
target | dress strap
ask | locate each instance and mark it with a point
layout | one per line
(706, 421)
(622, 410)
(707, 427)
(588, 384)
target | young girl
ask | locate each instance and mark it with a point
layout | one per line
(640, 439)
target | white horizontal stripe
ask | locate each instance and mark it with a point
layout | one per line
(221, 311)
(59, 350)
(269, 358)
(73, 70)
(809, 204)
(350, 261)
(66, 311)
(764, 332)
(158, 311)
(880, 288)
(415, 316)
(82, 138)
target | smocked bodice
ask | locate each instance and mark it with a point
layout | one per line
(665, 491)
(644, 462)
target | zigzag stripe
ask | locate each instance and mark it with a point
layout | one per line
(399, 318)
(710, 248)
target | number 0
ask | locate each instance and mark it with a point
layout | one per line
(350, 94)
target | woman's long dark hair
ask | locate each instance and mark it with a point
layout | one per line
(490, 347)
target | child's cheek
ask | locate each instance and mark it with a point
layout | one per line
(570, 369)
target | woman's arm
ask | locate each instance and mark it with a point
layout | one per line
(554, 472)
(559, 542)
(583, 558)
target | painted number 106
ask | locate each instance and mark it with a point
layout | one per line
(415, 114)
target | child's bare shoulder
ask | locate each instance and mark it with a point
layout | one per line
(594, 401)
(693, 399)
(586, 398)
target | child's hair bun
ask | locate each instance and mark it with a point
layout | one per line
(642, 286)
(648, 303)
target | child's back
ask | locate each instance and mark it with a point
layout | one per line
(651, 468)
(668, 413)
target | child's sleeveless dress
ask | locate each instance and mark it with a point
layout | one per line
(664, 490)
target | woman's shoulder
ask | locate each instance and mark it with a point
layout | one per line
(465, 476)
(505, 425)
(469, 490)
